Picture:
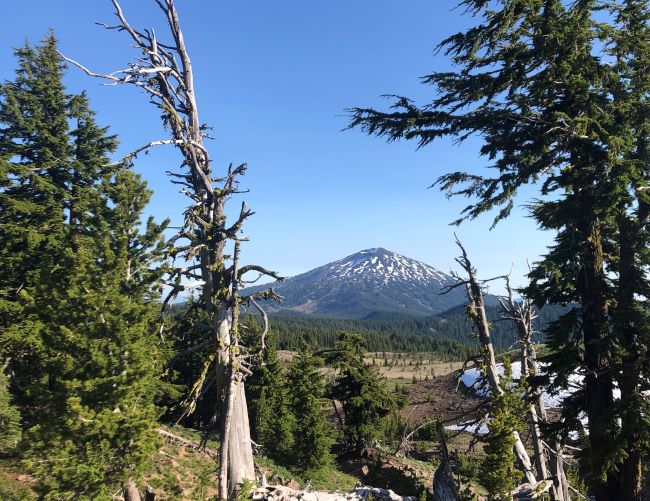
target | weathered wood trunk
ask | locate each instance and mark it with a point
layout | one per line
(444, 487)
(236, 451)
(130, 492)
(522, 314)
(164, 71)
(476, 312)
(240, 450)
(483, 328)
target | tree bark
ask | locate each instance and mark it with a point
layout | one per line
(599, 382)
(476, 312)
(130, 492)
(444, 487)
(629, 381)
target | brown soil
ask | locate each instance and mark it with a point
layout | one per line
(441, 398)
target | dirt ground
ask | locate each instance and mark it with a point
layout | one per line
(440, 398)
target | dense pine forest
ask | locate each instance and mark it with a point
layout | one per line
(138, 360)
(447, 334)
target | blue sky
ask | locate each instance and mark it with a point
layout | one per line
(273, 79)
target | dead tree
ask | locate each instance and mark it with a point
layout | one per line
(522, 314)
(130, 492)
(478, 316)
(164, 71)
(444, 487)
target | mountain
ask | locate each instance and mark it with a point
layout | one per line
(370, 282)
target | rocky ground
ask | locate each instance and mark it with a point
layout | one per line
(283, 493)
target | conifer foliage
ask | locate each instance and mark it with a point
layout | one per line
(273, 422)
(80, 289)
(499, 473)
(558, 92)
(361, 391)
(313, 434)
(10, 431)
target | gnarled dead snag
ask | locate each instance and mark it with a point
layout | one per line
(478, 316)
(164, 72)
(522, 314)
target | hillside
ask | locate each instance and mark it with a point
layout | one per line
(364, 283)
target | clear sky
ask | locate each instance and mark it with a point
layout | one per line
(274, 78)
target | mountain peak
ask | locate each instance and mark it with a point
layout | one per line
(371, 280)
(375, 250)
(378, 267)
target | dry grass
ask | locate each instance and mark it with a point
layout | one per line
(400, 367)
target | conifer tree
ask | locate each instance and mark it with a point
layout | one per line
(10, 431)
(189, 349)
(552, 108)
(82, 345)
(307, 403)
(498, 472)
(272, 422)
(629, 32)
(361, 391)
(36, 151)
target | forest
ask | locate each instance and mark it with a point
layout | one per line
(138, 364)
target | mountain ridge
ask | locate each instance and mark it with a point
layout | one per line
(370, 281)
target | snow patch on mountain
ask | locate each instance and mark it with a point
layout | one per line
(385, 267)
(369, 281)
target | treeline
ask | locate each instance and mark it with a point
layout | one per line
(449, 334)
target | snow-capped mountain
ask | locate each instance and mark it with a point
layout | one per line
(370, 281)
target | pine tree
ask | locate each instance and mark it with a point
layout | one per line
(102, 330)
(498, 472)
(272, 422)
(36, 152)
(361, 391)
(81, 291)
(629, 31)
(307, 403)
(555, 110)
(10, 431)
(190, 345)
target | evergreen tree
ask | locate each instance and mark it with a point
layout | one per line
(10, 431)
(554, 109)
(190, 345)
(498, 472)
(629, 32)
(82, 341)
(312, 431)
(36, 152)
(272, 422)
(361, 391)
(102, 331)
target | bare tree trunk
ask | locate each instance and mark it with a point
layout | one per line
(522, 314)
(149, 494)
(130, 492)
(476, 312)
(444, 487)
(164, 71)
